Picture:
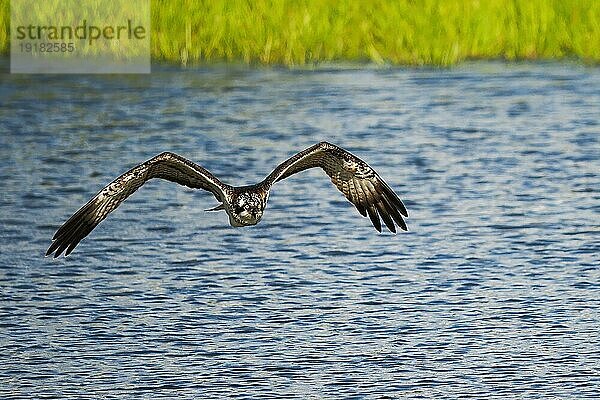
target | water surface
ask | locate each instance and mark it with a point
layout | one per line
(493, 293)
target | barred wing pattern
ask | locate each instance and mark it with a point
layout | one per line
(370, 194)
(166, 165)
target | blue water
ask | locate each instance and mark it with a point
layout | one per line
(494, 292)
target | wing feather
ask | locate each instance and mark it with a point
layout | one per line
(356, 199)
(166, 165)
(385, 216)
(359, 183)
(395, 214)
(374, 217)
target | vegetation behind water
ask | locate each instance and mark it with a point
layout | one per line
(409, 32)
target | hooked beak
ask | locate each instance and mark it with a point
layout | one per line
(217, 208)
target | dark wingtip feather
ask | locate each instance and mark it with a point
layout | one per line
(49, 251)
(402, 208)
(60, 249)
(393, 197)
(361, 209)
(393, 211)
(71, 247)
(374, 218)
(52, 247)
(402, 225)
(70, 234)
(383, 213)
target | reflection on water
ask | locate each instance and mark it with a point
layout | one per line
(493, 293)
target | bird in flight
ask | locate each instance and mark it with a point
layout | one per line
(243, 204)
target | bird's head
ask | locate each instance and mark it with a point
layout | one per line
(246, 209)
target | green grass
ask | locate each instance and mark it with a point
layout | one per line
(405, 32)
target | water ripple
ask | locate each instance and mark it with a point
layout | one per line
(492, 294)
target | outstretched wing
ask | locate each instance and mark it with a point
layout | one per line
(352, 176)
(166, 165)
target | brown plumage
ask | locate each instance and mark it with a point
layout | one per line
(244, 205)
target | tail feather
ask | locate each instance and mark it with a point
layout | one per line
(217, 208)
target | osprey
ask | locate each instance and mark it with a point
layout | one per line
(243, 204)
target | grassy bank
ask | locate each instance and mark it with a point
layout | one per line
(417, 32)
